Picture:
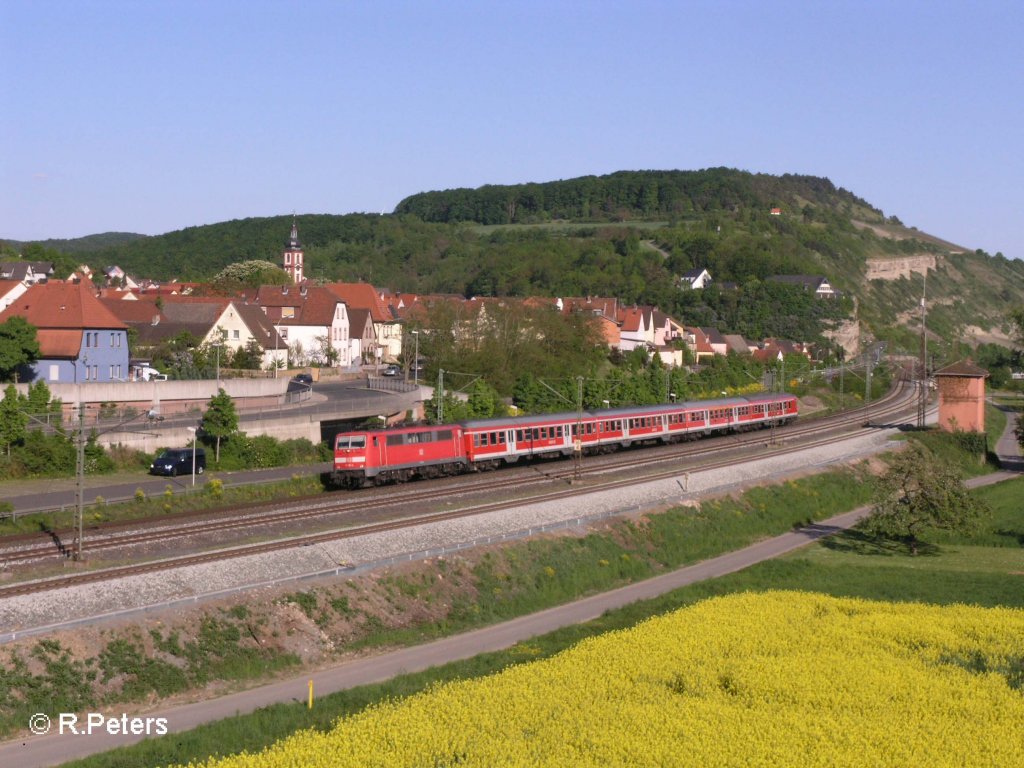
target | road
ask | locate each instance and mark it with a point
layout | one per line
(28, 496)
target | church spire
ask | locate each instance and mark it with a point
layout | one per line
(292, 258)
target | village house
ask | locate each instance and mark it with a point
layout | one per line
(10, 290)
(695, 279)
(229, 324)
(80, 340)
(387, 325)
(817, 284)
(312, 319)
(698, 344)
(27, 272)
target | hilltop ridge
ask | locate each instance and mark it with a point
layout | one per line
(593, 235)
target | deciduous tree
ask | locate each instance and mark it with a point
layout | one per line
(13, 420)
(221, 419)
(920, 492)
(18, 345)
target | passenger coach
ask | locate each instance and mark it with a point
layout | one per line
(404, 453)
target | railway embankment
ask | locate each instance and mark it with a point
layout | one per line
(319, 622)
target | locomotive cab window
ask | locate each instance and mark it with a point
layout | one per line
(351, 441)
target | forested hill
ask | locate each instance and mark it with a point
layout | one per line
(86, 244)
(630, 235)
(632, 195)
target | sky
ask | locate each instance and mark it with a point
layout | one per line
(153, 116)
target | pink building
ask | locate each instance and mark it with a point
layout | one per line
(962, 397)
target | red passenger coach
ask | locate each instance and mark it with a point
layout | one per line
(405, 453)
(396, 455)
(489, 442)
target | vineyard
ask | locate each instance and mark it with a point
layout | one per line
(774, 678)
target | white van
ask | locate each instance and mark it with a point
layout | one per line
(145, 373)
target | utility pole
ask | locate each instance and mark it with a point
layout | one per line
(80, 480)
(922, 391)
(867, 380)
(416, 360)
(440, 395)
(577, 443)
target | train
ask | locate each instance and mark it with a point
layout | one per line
(400, 454)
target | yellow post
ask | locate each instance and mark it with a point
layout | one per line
(310, 694)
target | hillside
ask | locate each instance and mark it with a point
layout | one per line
(629, 235)
(86, 244)
(632, 195)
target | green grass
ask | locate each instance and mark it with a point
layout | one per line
(212, 494)
(986, 569)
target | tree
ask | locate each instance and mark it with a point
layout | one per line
(221, 419)
(18, 345)
(1017, 318)
(249, 357)
(920, 492)
(325, 352)
(249, 274)
(13, 420)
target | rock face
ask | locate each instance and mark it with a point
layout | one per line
(847, 336)
(900, 266)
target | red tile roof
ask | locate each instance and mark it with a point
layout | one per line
(55, 343)
(362, 296)
(63, 305)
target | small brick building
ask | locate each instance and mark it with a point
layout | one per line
(961, 397)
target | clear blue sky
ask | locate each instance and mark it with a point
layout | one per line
(153, 116)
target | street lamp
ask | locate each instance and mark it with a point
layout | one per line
(416, 360)
(193, 431)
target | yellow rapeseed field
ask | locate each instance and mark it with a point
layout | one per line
(758, 679)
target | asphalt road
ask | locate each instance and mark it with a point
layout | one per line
(56, 493)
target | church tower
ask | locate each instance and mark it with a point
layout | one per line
(293, 255)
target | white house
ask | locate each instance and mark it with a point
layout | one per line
(695, 279)
(312, 320)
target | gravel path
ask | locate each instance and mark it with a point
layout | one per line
(37, 614)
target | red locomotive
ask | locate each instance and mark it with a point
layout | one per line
(405, 453)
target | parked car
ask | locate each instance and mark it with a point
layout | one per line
(303, 378)
(178, 461)
(391, 370)
(146, 373)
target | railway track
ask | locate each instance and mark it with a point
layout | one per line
(35, 547)
(796, 440)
